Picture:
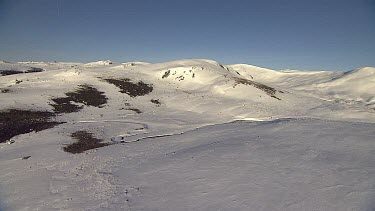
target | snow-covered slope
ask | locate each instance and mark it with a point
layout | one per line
(289, 78)
(356, 86)
(171, 139)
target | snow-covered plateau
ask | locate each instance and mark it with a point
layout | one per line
(185, 135)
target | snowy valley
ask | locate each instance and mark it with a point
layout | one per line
(185, 135)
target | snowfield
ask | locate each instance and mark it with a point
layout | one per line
(185, 135)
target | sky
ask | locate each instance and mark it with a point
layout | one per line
(277, 34)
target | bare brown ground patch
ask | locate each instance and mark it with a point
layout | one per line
(14, 122)
(85, 94)
(84, 141)
(13, 72)
(267, 89)
(133, 89)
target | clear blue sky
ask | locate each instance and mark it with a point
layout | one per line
(279, 34)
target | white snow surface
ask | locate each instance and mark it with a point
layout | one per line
(212, 144)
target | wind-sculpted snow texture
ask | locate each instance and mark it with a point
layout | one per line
(295, 164)
(185, 135)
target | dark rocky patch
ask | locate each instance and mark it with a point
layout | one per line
(130, 88)
(13, 72)
(180, 78)
(136, 110)
(222, 66)
(14, 122)
(64, 105)
(34, 70)
(226, 68)
(275, 97)
(267, 89)
(10, 72)
(166, 74)
(157, 102)
(26, 157)
(4, 90)
(84, 94)
(85, 141)
(88, 95)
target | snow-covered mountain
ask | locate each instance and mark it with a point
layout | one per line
(357, 85)
(185, 135)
